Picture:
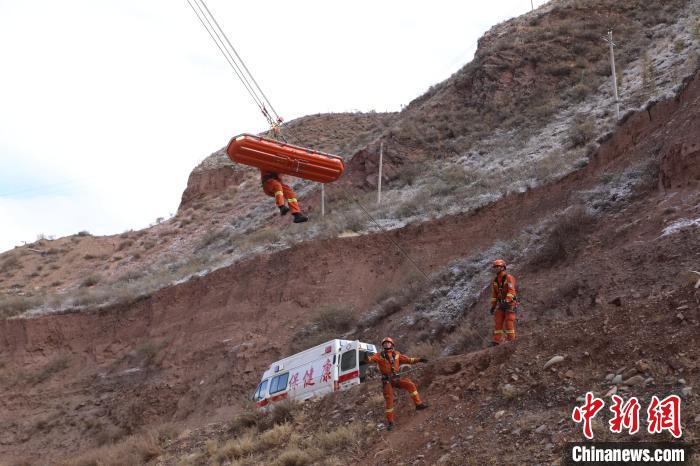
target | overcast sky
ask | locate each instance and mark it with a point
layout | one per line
(106, 106)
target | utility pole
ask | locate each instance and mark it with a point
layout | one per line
(379, 180)
(532, 5)
(610, 42)
(323, 199)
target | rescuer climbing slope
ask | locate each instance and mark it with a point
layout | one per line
(389, 361)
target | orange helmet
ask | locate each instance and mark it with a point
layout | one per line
(499, 263)
(388, 340)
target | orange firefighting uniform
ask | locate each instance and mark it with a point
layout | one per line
(274, 187)
(389, 362)
(504, 302)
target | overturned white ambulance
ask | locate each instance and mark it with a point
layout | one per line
(326, 368)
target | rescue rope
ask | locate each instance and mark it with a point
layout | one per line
(221, 41)
(410, 259)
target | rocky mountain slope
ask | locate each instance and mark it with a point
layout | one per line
(604, 255)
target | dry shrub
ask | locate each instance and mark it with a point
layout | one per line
(424, 349)
(15, 305)
(563, 238)
(137, 449)
(261, 237)
(330, 323)
(464, 339)
(277, 436)
(235, 448)
(414, 205)
(332, 441)
(246, 419)
(91, 280)
(409, 173)
(124, 245)
(293, 456)
(385, 308)
(146, 355)
(211, 237)
(89, 297)
(11, 263)
(581, 131)
(281, 413)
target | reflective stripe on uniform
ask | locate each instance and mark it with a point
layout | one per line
(510, 331)
(293, 199)
(390, 410)
(510, 295)
(414, 394)
(279, 193)
(498, 331)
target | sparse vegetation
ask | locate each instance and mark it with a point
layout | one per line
(290, 440)
(330, 323)
(564, 237)
(14, 305)
(21, 376)
(91, 280)
(581, 131)
(136, 449)
(679, 45)
(648, 75)
(10, 263)
(124, 245)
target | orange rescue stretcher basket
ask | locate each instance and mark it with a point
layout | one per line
(283, 158)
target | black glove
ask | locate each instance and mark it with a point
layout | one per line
(423, 360)
(493, 309)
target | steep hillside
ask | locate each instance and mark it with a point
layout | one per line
(144, 347)
(530, 108)
(192, 352)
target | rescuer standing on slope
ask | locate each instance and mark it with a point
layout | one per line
(389, 361)
(504, 303)
(274, 186)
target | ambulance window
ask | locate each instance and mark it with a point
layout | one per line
(259, 393)
(279, 383)
(348, 360)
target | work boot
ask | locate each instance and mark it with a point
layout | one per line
(390, 426)
(284, 209)
(300, 218)
(422, 406)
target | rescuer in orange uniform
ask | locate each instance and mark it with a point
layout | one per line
(504, 303)
(274, 186)
(389, 361)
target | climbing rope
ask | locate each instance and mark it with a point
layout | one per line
(349, 196)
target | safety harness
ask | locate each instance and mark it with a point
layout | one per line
(501, 300)
(394, 364)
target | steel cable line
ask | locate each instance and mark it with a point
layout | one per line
(227, 56)
(275, 114)
(350, 196)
